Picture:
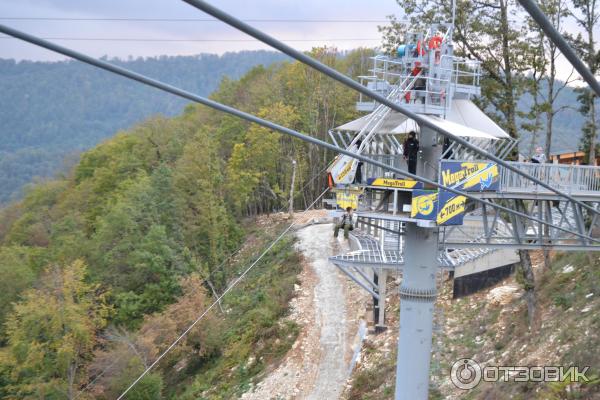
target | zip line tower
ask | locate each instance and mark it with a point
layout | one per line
(408, 229)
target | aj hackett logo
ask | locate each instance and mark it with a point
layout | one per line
(450, 178)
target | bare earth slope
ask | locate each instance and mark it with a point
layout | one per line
(327, 307)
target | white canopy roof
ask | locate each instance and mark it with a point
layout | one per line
(458, 129)
(464, 119)
(392, 120)
(465, 112)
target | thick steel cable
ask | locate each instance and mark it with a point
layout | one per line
(338, 76)
(560, 42)
(229, 288)
(267, 124)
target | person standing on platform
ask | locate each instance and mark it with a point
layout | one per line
(411, 151)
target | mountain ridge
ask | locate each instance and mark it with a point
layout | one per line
(53, 110)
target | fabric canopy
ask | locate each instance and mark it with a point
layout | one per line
(464, 119)
(392, 120)
(465, 112)
(458, 129)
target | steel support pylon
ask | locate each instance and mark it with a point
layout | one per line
(417, 299)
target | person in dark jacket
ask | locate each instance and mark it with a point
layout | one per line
(411, 150)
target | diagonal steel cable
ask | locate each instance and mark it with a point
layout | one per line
(538, 15)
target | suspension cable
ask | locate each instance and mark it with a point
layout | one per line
(561, 43)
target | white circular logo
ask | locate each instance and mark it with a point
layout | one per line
(465, 374)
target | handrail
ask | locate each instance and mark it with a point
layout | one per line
(571, 178)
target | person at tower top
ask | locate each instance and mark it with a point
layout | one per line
(411, 151)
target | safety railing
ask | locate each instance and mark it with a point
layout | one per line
(573, 179)
(393, 160)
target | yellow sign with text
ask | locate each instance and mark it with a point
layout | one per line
(424, 205)
(451, 209)
(396, 183)
(345, 171)
(471, 176)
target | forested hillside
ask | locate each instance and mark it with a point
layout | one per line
(102, 268)
(50, 112)
(53, 110)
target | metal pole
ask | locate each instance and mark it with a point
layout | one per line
(561, 43)
(417, 294)
(417, 299)
(332, 73)
(262, 122)
(291, 207)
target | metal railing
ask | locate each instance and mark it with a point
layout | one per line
(573, 179)
(393, 160)
(388, 72)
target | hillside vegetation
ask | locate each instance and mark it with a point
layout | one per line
(53, 110)
(491, 327)
(102, 268)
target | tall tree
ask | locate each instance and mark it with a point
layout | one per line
(557, 11)
(586, 14)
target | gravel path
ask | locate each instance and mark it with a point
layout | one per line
(328, 307)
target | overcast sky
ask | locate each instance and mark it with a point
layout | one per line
(361, 33)
(208, 36)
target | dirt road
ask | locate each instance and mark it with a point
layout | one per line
(329, 309)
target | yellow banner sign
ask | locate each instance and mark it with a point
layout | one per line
(396, 183)
(345, 171)
(472, 176)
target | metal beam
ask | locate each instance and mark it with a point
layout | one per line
(358, 282)
(252, 118)
(556, 38)
(332, 73)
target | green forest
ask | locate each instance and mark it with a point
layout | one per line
(104, 266)
(51, 111)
